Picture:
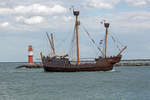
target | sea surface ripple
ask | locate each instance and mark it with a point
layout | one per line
(123, 83)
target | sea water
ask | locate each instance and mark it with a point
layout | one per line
(122, 83)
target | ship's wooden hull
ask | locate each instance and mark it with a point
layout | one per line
(102, 64)
(58, 69)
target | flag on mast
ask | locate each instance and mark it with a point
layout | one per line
(103, 21)
(101, 42)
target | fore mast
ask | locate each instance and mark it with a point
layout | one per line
(76, 14)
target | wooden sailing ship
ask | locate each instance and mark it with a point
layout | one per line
(61, 63)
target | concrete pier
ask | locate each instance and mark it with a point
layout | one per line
(134, 62)
(30, 65)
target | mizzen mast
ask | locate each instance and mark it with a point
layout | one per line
(76, 14)
(53, 47)
(106, 26)
(51, 41)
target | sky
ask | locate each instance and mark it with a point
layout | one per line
(25, 22)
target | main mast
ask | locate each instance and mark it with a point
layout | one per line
(76, 14)
(106, 26)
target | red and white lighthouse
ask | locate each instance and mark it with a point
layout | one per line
(30, 54)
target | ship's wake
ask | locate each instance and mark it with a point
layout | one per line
(113, 70)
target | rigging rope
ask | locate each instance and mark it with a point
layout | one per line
(72, 47)
(92, 40)
(116, 40)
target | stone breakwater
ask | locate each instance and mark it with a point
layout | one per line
(32, 65)
(135, 62)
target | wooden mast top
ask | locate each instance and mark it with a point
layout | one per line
(76, 14)
(106, 26)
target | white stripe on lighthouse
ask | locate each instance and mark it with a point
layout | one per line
(30, 53)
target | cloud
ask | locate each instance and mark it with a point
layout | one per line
(67, 18)
(34, 9)
(97, 4)
(31, 20)
(138, 3)
(102, 4)
(5, 11)
(58, 9)
(4, 24)
(110, 4)
(34, 20)
(130, 24)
